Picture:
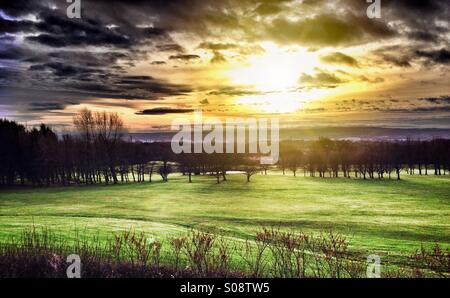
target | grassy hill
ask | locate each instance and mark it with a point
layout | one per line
(388, 217)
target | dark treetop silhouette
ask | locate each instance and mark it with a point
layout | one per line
(100, 154)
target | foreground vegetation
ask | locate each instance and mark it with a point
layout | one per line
(390, 218)
(272, 253)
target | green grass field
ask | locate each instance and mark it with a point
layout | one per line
(388, 217)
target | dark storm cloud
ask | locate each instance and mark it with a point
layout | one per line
(6, 38)
(95, 89)
(432, 109)
(163, 111)
(424, 36)
(422, 20)
(195, 16)
(66, 33)
(6, 75)
(158, 62)
(327, 30)
(89, 57)
(113, 88)
(138, 78)
(22, 7)
(402, 61)
(59, 41)
(90, 31)
(411, 12)
(56, 30)
(84, 87)
(202, 18)
(45, 106)
(268, 8)
(441, 56)
(62, 70)
(321, 79)
(217, 46)
(55, 56)
(404, 56)
(187, 57)
(372, 81)
(416, 11)
(12, 26)
(437, 100)
(340, 58)
(423, 24)
(427, 6)
(218, 58)
(126, 87)
(443, 109)
(12, 52)
(173, 47)
(389, 106)
(23, 98)
(150, 85)
(234, 91)
(49, 40)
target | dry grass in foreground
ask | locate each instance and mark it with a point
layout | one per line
(272, 253)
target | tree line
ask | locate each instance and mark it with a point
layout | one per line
(99, 153)
(365, 159)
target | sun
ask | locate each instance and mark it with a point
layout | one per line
(275, 75)
(277, 70)
(281, 102)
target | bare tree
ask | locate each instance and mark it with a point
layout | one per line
(101, 132)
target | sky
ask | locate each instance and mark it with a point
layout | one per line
(308, 63)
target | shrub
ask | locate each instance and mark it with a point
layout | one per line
(272, 253)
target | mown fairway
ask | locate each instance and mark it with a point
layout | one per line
(386, 217)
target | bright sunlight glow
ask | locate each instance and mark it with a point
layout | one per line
(277, 70)
(276, 75)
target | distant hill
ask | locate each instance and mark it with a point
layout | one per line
(307, 133)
